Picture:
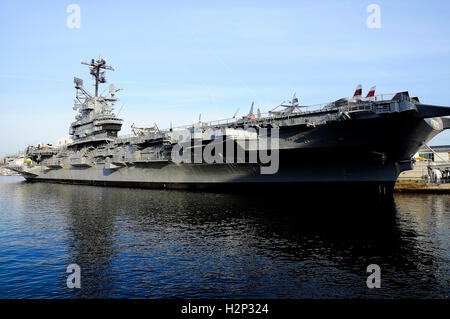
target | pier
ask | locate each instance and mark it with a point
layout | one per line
(431, 173)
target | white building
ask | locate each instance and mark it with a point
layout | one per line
(428, 156)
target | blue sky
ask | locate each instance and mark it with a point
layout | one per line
(177, 59)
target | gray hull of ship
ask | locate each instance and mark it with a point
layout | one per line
(369, 151)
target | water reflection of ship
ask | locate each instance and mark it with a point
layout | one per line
(108, 225)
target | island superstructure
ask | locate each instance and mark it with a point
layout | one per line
(360, 142)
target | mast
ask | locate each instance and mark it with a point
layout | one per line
(96, 68)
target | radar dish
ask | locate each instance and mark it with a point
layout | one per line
(78, 82)
(112, 89)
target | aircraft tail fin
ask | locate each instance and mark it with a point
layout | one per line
(358, 92)
(251, 109)
(371, 92)
(295, 99)
(250, 115)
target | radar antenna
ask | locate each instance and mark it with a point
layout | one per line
(96, 68)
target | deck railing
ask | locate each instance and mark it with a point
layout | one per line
(369, 104)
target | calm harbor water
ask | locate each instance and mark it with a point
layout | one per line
(135, 243)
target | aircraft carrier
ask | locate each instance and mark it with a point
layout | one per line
(360, 142)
